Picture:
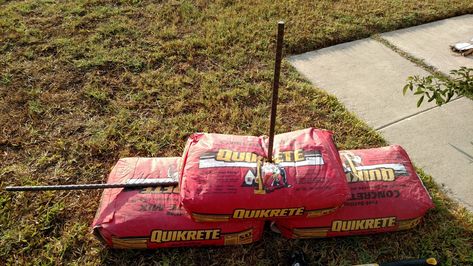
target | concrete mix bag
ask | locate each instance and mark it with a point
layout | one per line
(226, 177)
(386, 195)
(151, 217)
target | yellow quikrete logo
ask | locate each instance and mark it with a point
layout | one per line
(362, 224)
(226, 155)
(236, 156)
(379, 174)
(160, 236)
(267, 213)
(289, 156)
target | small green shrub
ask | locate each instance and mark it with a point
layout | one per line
(440, 88)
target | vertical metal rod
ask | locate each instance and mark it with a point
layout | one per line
(274, 102)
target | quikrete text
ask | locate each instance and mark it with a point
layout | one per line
(236, 156)
(267, 213)
(289, 156)
(160, 236)
(380, 174)
(249, 157)
(364, 224)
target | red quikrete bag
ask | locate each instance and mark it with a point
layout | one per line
(386, 195)
(225, 177)
(152, 218)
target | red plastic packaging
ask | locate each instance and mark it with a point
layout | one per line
(152, 218)
(386, 195)
(225, 177)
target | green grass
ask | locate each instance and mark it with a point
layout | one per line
(83, 83)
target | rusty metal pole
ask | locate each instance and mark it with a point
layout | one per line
(155, 183)
(274, 102)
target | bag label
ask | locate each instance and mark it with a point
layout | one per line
(357, 172)
(160, 236)
(267, 213)
(364, 224)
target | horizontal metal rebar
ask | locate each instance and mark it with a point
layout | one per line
(161, 182)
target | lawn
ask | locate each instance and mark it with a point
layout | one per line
(83, 83)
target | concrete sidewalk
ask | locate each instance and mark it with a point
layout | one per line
(368, 77)
(429, 42)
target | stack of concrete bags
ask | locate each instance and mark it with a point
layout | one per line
(228, 190)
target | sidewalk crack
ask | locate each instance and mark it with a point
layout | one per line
(414, 114)
(417, 61)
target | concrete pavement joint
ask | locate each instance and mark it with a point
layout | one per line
(468, 156)
(413, 115)
(417, 61)
(363, 89)
(430, 42)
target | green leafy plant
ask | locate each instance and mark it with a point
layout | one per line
(441, 88)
